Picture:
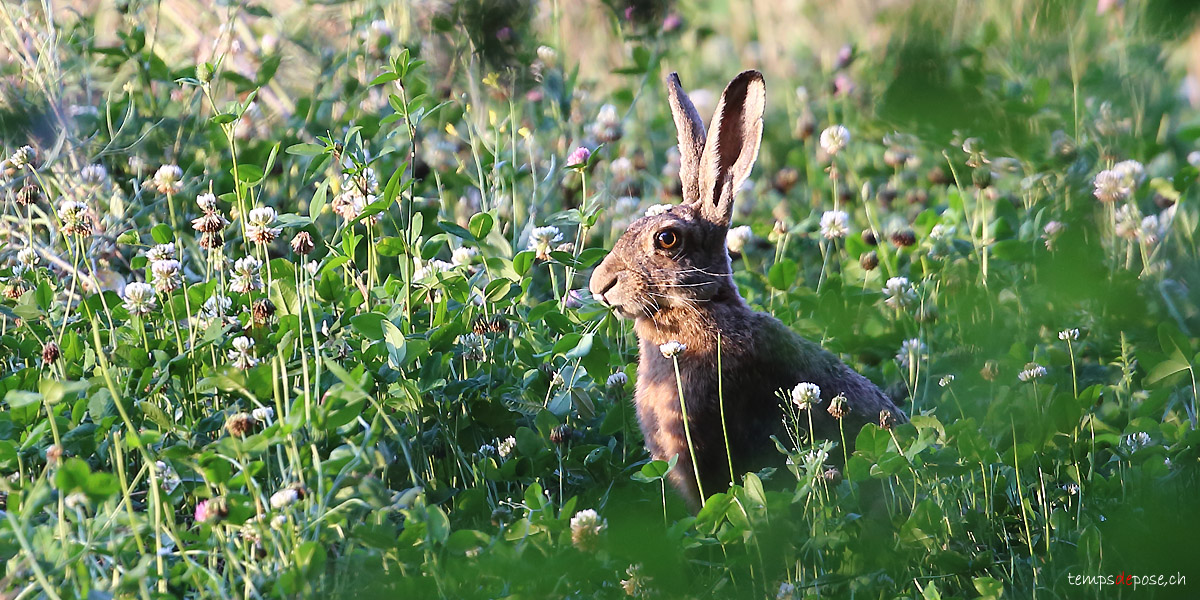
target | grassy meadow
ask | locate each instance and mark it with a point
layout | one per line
(293, 297)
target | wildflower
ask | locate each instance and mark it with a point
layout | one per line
(837, 406)
(1068, 334)
(161, 252)
(27, 258)
(1032, 371)
(30, 193)
(240, 424)
(246, 277)
(638, 585)
(263, 413)
(1136, 441)
(207, 202)
(139, 298)
(258, 225)
(672, 349)
(542, 239)
(990, 370)
(211, 510)
(74, 217)
(904, 238)
(1110, 186)
(93, 175)
(1071, 488)
(168, 478)
(262, 310)
(900, 293)
(1131, 172)
(586, 527)
(617, 380)
(786, 591)
(607, 127)
(1127, 222)
(945, 380)
(50, 352)
(736, 238)
(579, 156)
(463, 256)
(242, 356)
(210, 222)
(910, 349)
(832, 476)
(1050, 233)
(804, 395)
(13, 291)
(287, 496)
(431, 268)
(302, 243)
(548, 55)
(561, 434)
(486, 449)
(167, 180)
(869, 260)
(166, 275)
(1149, 230)
(834, 224)
(621, 168)
(25, 156)
(834, 139)
(887, 420)
(213, 309)
(506, 446)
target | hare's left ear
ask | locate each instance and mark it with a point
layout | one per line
(732, 145)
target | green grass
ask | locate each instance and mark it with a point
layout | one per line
(425, 403)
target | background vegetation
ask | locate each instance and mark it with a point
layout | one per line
(293, 297)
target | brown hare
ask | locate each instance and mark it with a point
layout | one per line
(671, 273)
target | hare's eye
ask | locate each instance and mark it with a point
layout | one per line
(666, 239)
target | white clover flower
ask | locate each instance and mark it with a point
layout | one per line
(945, 380)
(246, 276)
(432, 268)
(1150, 230)
(242, 355)
(74, 217)
(463, 256)
(1127, 223)
(941, 232)
(25, 156)
(506, 446)
(805, 395)
(207, 202)
(835, 224)
(93, 175)
(899, 293)
(139, 298)
(285, 498)
(168, 478)
(1071, 488)
(1032, 371)
(167, 180)
(213, 309)
(586, 527)
(910, 350)
(834, 139)
(617, 380)
(672, 349)
(263, 413)
(736, 238)
(27, 258)
(621, 168)
(166, 275)
(1136, 441)
(1132, 173)
(1050, 232)
(548, 55)
(486, 449)
(659, 209)
(1110, 187)
(258, 225)
(161, 252)
(787, 591)
(607, 127)
(543, 239)
(1068, 334)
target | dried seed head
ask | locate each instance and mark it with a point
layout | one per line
(13, 291)
(54, 453)
(210, 222)
(837, 406)
(562, 434)
(303, 243)
(869, 261)
(785, 179)
(50, 352)
(990, 370)
(262, 310)
(904, 238)
(868, 236)
(212, 241)
(30, 193)
(887, 420)
(240, 424)
(501, 515)
(832, 476)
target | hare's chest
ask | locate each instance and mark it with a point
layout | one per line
(661, 412)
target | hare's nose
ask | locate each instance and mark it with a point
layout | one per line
(601, 285)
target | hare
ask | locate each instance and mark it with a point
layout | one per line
(670, 272)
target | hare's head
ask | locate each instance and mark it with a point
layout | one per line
(676, 257)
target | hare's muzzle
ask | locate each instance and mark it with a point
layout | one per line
(602, 282)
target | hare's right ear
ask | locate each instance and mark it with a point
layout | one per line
(691, 137)
(732, 145)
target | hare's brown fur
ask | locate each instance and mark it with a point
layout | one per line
(684, 292)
